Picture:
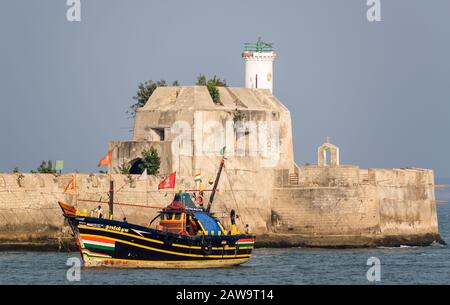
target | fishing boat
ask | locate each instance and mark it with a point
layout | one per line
(187, 236)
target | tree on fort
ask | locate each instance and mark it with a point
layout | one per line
(238, 117)
(212, 85)
(150, 161)
(46, 168)
(145, 90)
(124, 168)
(202, 81)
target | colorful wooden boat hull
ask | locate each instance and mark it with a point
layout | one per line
(111, 243)
(121, 263)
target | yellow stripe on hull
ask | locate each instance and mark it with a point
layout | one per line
(171, 252)
(150, 239)
(125, 263)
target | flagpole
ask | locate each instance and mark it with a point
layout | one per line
(179, 157)
(146, 191)
(146, 184)
(76, 189)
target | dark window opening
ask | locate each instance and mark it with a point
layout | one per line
(158, 134)
(135, 168)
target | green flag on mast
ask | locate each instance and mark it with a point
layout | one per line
(222, 151)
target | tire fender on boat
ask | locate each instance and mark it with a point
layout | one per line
(199, 199)
(168, 240)
(206, 247)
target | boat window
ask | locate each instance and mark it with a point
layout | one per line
(177, 216)
(166, 216)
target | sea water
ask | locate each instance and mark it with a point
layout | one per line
(400, 265)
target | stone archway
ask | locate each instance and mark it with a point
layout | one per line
(322, 155)
(135, 168)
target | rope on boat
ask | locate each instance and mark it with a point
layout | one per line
(121, 203)
(234, 197)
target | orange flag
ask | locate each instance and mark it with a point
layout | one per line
(106, 160)
(72, 185)
(169, 182)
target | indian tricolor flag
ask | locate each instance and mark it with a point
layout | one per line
(198, 178)
(98, 242)
(245, 243)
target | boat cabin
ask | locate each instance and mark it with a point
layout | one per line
(183, 217)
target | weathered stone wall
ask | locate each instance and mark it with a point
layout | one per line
(328, 201)
(324, 211)
(344, 205)
(128, 151)
(406, 200)
(329, 206)
(29, 213)
(188, 113)
(27, 207)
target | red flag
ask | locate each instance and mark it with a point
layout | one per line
(106, 160)
(169, 182)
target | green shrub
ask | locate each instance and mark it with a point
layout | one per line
(150, 161)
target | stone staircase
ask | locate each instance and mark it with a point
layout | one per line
(364, 176)
(293, 179)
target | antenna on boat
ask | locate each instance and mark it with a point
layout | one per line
(216, 182)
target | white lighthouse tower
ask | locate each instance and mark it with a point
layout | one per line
(259, 59)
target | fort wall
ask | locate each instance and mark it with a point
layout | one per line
(327, 206)
(346, 206)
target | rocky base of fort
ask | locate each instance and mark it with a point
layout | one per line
(346, 241)
(67, 243)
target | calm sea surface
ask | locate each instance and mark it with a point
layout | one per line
(415, 265)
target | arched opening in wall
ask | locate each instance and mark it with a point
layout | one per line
(327, 160)
(135, 168)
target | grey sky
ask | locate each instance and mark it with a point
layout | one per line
(380, 90)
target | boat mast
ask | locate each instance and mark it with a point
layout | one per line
(211, 198)
(111, 198)
(111, 192)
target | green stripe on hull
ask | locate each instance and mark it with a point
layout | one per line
(98, 246)
(95, 256)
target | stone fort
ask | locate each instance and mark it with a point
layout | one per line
(327, 204)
